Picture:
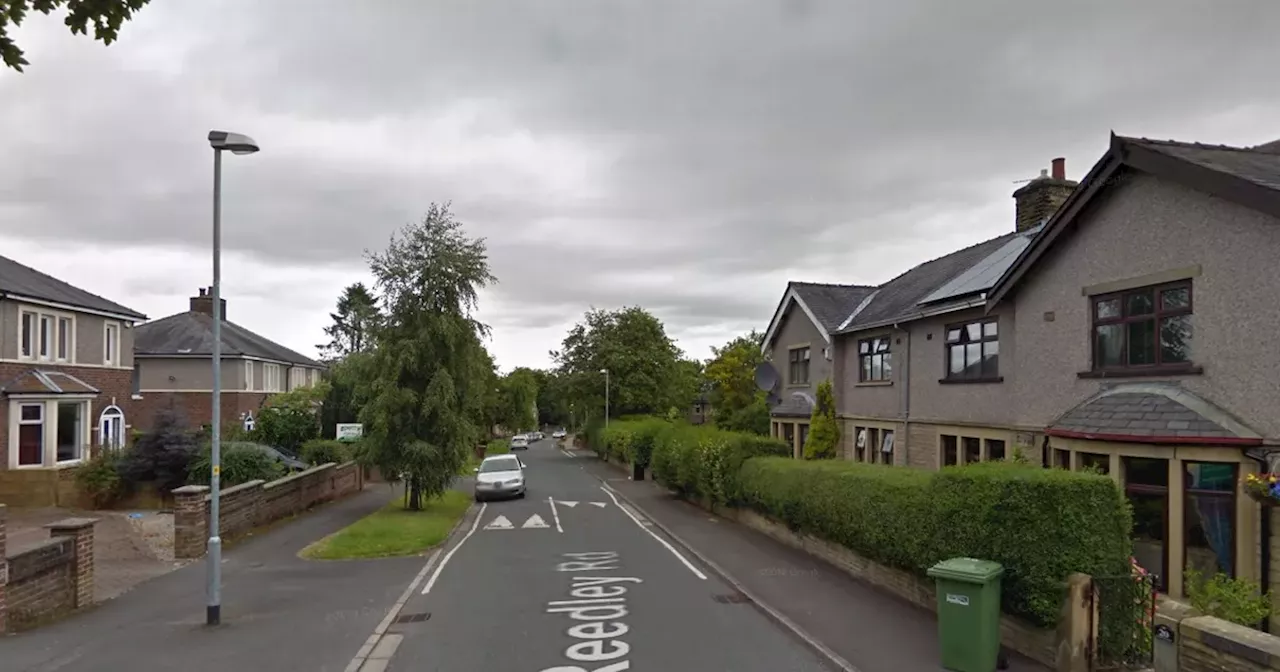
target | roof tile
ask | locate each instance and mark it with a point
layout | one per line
(191, 333)
(22, 280)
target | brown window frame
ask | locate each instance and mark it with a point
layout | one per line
(1189, 510)
(983, 376)
(873, 351)
(1157, 315)
(797, 363)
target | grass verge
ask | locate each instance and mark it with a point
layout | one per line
(392, 531)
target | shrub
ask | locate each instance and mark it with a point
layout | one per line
(1041, 524)
(824, 430)
(1237, 600)
(162, 455)
(241, 462)
(323, 451)
(704, 461)
(100, 478)
(631, 439)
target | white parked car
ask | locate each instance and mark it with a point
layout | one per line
(559, 434)
(519, 442)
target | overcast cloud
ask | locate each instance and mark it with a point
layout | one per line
(688, 157)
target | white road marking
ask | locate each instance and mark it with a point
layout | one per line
(650, 532)
(555, 514)
(535, 521)
(567, 453)
(499, 523)
(444, 561)
(394, 611)
(569, 504)
(599, 504)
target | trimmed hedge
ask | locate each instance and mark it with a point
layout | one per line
(323, 451)
(1041, 524)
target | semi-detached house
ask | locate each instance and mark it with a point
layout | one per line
(174, 356)
(1127, 325)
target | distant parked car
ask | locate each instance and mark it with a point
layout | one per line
(559, 434)
(519, 442)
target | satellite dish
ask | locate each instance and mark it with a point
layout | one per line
(766, 377)
(773, 399)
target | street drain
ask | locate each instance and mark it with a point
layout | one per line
(413, 618)
(731, 598)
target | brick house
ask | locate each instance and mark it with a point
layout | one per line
(175, 368)
(799, 343)
(66, 362)
(1069, 341)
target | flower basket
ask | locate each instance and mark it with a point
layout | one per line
(1264, 488)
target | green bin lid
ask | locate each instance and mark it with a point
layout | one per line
(969, 570)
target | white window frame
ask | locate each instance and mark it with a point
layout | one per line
(110, 344)
(248, 374)
(49, 429)
(113, 439)
(55, 321)
(270, 377)
(315, 377)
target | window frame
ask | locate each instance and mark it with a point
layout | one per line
(872, 352)
(984, 376)
(48, 424)
(248, 375)
(111, 350)
(1157, 314)
(271, 377)
(65, 337)
(111, 414)
(30, 335)
(798, 359)
(1188, 503)
(15, 461)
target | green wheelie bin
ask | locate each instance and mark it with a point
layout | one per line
(968, 613)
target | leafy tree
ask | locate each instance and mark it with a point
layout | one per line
(162, 455)
(736, 403)
(353, 324)
(289, 419)
(519, 394)
(346, 378)
(427, 387)
(643, 364)
(824, 431)
(107, 16)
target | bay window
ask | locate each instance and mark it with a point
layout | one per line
(48, 432)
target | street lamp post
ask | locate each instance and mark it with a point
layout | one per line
(235, 143)
(606, 397)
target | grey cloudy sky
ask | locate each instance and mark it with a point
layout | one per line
(689, 157)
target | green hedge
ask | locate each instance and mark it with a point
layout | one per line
(702, 461)
(323, 451)
(1041, 524)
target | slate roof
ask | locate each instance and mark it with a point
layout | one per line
(1260, 165)
(24, 281)
(1152, 413)
(796, 404)
(47, 382)
(831, 303)
(191, 333)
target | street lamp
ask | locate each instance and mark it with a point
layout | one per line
(606, 397)
(235, 143)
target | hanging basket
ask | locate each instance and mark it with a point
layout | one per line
(1265, 488)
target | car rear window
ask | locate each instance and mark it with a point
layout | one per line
(504, 464)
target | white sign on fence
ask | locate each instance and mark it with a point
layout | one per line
(349, 431)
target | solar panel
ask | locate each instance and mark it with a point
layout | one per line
(983, 275)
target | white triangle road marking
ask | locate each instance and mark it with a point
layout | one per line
(534, 521)
(499, 523)
(568, 504)
(598, 504)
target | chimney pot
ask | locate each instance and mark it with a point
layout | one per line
(1060, 168)
(202, 291)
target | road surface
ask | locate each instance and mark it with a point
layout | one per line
(569, 580)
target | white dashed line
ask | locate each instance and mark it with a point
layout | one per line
(555, 514)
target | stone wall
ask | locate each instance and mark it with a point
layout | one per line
(1188, 641)
(46, 581)
(41, 488)
(250, 505)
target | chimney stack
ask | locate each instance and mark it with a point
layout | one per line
(203, 303)
(1041, 197)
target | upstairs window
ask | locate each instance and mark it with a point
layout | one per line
(875, 361)
(973, 350)
(1144, 328)
(798, 371)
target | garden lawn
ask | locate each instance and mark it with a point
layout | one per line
(393, 531)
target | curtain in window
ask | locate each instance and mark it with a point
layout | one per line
(1216, 512)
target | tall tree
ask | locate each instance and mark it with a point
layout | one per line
(427, 389)
(632, 344)
(519, 391)
(353, 324)
(736, 402)
(107, 16)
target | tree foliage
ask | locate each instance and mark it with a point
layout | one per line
(643, 363)
(106, 17)
(163, 454)
(824, 430)
(518, 393)
(347, 379)
(353, 323)
(736, 403)
(289, 419)
(426, 395)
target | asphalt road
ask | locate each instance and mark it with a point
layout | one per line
(572, 583)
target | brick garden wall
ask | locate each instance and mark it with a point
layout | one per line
(256, 503)
(49, 580)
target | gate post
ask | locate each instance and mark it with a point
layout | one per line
(1078, 625)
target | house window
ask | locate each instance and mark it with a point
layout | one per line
(875, 362)
(248, 375)
(1095, 462)
(271, 377)
(864, 449)
(995, 449)
(886, 447)
(31, 435)
(111, 344)
(799, 370)
(1062, 458)
(1146, 485)
(789, 433)
(1210, 518)
(70, 431)
(1143, 328)
(65, 334)
(137, 378)
(804, 433)
(111, 428)
(973, 350)
(315, 377)
(950, 450)
(28, 336)
(972, 449)
(46, 336)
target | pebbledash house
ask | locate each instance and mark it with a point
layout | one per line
(66, 371)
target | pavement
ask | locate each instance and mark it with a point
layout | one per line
(280, 612)
(856, 625)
